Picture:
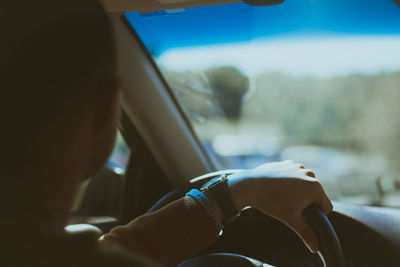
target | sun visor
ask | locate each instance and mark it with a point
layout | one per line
(263, 2)
(154, 5)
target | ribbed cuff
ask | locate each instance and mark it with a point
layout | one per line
(206, 204)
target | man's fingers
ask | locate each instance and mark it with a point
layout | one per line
(309, 173)
(322, 199)
(306, 234)
(326, 204)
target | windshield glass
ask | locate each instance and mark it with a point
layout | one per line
(313, 81)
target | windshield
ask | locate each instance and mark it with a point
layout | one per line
(313, 81)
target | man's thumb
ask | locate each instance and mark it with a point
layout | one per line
(306, 234)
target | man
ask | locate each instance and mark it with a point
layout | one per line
(59, 111)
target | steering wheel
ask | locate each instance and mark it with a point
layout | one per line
(330, 251)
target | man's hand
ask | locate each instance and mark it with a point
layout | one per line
(282, 190)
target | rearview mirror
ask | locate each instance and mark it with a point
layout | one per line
(264, 2)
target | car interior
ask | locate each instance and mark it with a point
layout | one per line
(210, 87)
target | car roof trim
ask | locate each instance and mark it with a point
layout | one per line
(114, 6)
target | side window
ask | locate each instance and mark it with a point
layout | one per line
(119, 158)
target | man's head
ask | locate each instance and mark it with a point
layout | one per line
(58, 94)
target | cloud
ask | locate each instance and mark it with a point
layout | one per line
(316, 56)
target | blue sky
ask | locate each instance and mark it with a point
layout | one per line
(240, 22)
(301, 37)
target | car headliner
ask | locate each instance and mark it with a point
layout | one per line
(113, 6)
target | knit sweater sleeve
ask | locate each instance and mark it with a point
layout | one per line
(169, 235)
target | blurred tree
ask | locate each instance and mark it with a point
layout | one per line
(357, 112)
(378, 128)
(229, 85)
(194, 94)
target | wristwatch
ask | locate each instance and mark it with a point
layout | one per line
(218, 189)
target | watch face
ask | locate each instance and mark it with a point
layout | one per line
(213, 182)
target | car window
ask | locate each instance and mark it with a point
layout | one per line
(119, 158)
(313, 81)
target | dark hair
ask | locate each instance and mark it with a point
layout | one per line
(52, 55)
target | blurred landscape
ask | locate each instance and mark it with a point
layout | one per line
(346, 128)
(316, 81)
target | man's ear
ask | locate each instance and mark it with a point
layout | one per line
(107, 105)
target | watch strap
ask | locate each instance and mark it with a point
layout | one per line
(218, 188)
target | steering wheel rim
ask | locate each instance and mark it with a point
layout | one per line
(330, 251)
